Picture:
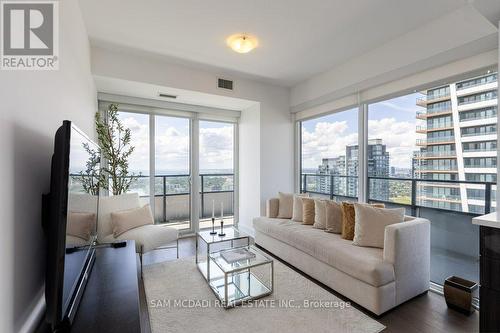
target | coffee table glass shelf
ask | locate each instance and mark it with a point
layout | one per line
(240, 280)
(213, 243)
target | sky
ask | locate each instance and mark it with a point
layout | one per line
(172, 144)
(392, 120)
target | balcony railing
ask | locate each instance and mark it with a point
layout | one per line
(454, 239)
(436, 154)
(172, 197)
(436, 140)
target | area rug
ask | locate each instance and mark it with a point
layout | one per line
(180, 300)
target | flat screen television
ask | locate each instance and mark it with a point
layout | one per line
(70, 223)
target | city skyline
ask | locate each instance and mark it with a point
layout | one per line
(393, 121)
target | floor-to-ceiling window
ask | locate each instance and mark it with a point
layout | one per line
(216, 164)
(172, 177)
(329, 155)
(191, 178)
(443, 140)
(432, 151)
(139, 162)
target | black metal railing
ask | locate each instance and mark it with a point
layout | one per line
(180, 184)
(348, 189)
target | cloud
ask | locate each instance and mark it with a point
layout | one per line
(172, 147)
(216, 148)
(329, 139)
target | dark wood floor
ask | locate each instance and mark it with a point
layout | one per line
(425, 313)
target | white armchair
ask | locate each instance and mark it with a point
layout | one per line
(147, 238)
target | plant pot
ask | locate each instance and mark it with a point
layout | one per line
(459, 293)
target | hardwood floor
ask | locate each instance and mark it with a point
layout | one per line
(425, 313)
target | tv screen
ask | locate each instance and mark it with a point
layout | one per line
(71, 222)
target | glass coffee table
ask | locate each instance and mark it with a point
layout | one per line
(240, 274)
(212, 243)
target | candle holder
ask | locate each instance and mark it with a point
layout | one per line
(213, 232)
(221, 233)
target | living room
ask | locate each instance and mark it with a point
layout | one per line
(209, 165)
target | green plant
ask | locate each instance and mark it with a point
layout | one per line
(92, 178)
(114, 142)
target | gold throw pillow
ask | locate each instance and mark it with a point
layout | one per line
(349, 218)
(307, 211)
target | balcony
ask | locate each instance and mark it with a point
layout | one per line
(172, 198)
(454, 239)
(424, 114)
(436, 141)
(429, 99)
(423, 155)
(423, 129)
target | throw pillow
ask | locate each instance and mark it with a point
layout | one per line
(125, 220)
(285, 205)
(348, 219)
(319, 214)
(369, 228)
(81, 225)
(308, 211)
(297, 207)
(333, 217)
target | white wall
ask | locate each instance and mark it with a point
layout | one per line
(249, 166)
(33, 105)
(271, 129)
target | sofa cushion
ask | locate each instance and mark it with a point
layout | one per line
(308, 211)
(363, 263)
(319, 214)
(124, 220)
(107, 205)
(297, 206)
(149, 236)
(370, 224)
(285, 208)
(349, 218)
(333, 217)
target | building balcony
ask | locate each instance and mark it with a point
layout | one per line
(436, 141)
(424, 114)
(429, 99)
(429, 169)
(423, 155)
(423, 129)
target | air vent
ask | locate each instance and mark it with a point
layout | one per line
(225, 84)
(167, 95)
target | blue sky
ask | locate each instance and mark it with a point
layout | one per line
(392, 120)
(172, 144)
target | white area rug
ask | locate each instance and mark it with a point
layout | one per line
(168, 282)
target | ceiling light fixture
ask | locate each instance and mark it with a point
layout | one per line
(242, 43)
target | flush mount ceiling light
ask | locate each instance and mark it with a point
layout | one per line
(242, 43)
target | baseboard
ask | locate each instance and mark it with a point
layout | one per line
(35, 316)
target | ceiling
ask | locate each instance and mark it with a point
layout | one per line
(298, 38)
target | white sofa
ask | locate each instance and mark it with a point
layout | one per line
(377, 279)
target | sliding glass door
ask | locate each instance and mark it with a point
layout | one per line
(216, 165)
(185, 167)
(139, 162)
(172, 174)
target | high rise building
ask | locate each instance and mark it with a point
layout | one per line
(459, 129)
(332, 166)
(345, 167)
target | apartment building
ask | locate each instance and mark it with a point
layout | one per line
(344, 168)
(459, 141)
